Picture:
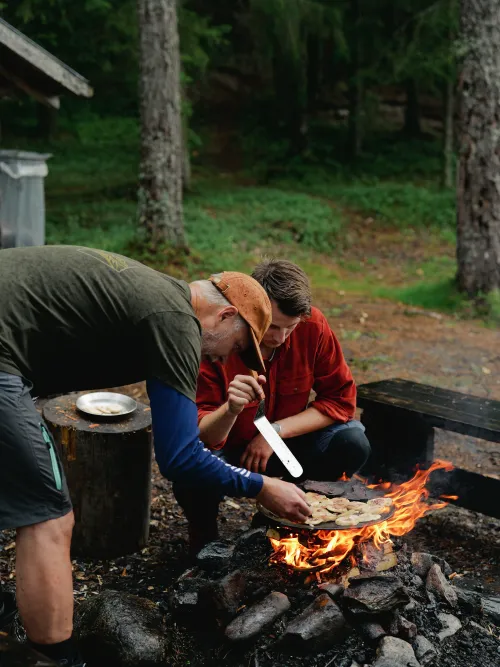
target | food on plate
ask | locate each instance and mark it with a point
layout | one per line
(343, 512)
(107, 409)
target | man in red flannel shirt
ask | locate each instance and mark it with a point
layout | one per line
(301, 354)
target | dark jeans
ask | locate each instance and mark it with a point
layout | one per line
(325, 455)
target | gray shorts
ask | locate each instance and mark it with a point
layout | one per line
(32, 483)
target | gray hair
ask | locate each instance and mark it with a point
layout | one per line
(214, 296)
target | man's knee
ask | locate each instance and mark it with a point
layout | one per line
(352, 445)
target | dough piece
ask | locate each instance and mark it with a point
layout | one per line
(347, 520)
(379, 504)
(368, 516)
(338, 504)
(357, 506)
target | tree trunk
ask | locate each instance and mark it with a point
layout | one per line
(108, 470)
(160, 177)
(478, 194)
(412, 126)
(449, 104)
(356, 91)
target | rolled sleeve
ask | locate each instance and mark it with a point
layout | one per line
(211, 392)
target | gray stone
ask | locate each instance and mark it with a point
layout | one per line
(450, 624)
(424, 650)
(186, 597)
(394, 652)
(422, 563)
(411, 606)
(491, 606)
(251, 537)
(317, 628)
(215, 555)
(226, 596)
(372, 631)
(375, 593)
(251, 621)
(437, 584)
(121, 630)
(334, 590)
(470, 602)
(407, 629)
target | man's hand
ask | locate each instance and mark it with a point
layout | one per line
(243, 390)
(284, 499)
(256, 455)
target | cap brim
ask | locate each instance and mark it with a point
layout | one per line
(252, 356)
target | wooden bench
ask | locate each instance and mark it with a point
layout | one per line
(400, 417)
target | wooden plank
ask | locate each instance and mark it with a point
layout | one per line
(475, 492)
(52, 102)
(43, 61)
(450, 410)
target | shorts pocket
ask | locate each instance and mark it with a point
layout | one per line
(53, 456)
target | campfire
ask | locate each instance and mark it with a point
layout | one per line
(323, 550)
(297, 596)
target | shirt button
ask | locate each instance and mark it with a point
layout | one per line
(295, 388)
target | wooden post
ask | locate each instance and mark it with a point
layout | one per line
(108, 469)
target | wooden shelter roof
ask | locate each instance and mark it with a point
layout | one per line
(27, 66)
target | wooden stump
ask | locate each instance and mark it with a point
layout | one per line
(108, 469)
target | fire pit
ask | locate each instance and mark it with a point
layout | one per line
(323, 548)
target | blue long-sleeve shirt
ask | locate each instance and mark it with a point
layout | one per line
(180, 453)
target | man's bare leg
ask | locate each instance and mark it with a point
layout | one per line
(44, 580)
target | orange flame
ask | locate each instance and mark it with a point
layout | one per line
(327, 548)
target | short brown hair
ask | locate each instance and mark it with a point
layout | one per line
(287, 284)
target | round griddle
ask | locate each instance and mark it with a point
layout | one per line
(351, 489)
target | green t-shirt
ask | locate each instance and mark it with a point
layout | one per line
(76, 318)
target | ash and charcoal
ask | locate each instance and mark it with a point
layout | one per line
(239, 611)
(232, 609)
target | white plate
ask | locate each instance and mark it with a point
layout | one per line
(106, 404)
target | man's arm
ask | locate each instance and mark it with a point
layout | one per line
(216, 424)
(181, 456)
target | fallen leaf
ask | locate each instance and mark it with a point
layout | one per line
(124, 572)
(9, 546)
(486, 371)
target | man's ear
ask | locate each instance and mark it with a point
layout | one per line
(228, 311)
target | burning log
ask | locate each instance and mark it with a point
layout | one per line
(254, 619)
(375, 593)
(318, 627)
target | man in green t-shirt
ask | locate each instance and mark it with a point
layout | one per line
(76, 318)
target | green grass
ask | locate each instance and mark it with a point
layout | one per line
(303, 216)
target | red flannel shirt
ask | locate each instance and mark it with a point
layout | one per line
(310, 358)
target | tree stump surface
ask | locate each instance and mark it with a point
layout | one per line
(107, 463)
